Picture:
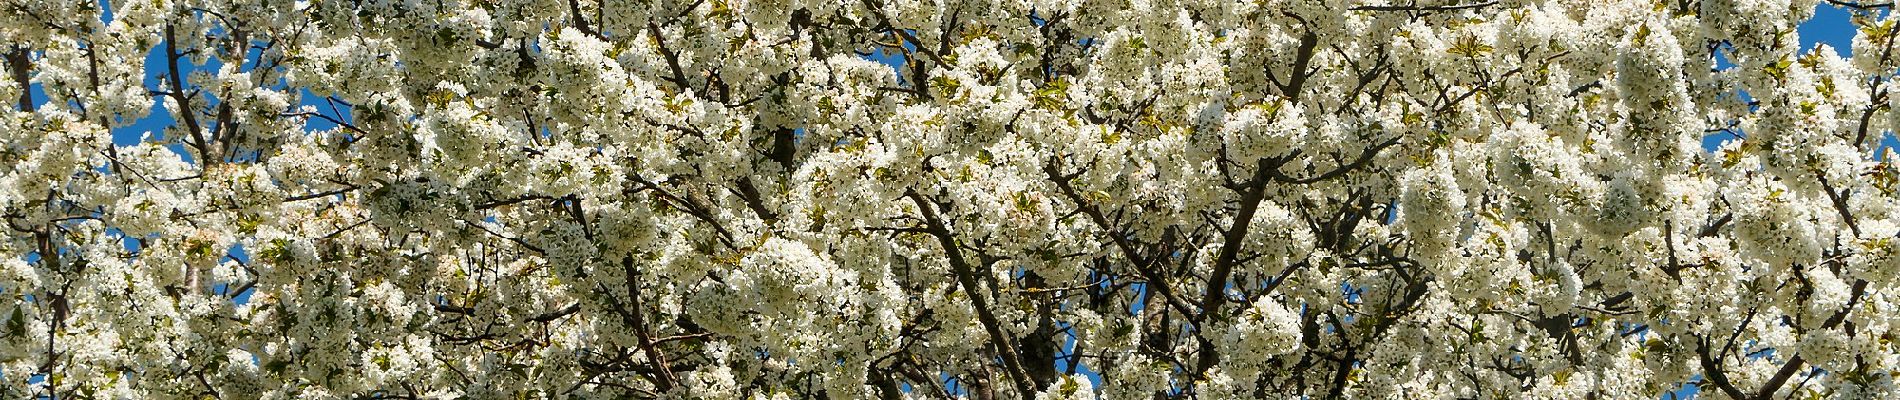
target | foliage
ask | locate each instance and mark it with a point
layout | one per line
(1032, 199)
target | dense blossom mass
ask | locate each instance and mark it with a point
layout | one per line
(1126, 199)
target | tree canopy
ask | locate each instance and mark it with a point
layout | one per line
(725, 199)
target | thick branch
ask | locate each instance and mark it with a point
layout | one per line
(19, 63)
(1795, 363)
(1859, 5)
(637, 316)
(1714, 373)
(966, 277)
(1215, 295)
(1143, 265)
(177, 92)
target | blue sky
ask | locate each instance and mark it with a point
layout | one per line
(1830, 26)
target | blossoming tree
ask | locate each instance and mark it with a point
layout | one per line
(922, 199)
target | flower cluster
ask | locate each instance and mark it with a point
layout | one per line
(750, 199)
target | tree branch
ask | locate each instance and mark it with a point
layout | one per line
(1426, 8)
(19, 63)
(966, 277)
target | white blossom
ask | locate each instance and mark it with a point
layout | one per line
(765, 199)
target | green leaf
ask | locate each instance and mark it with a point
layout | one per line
(1779, 69)
(1469, 46)
(16, 324)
